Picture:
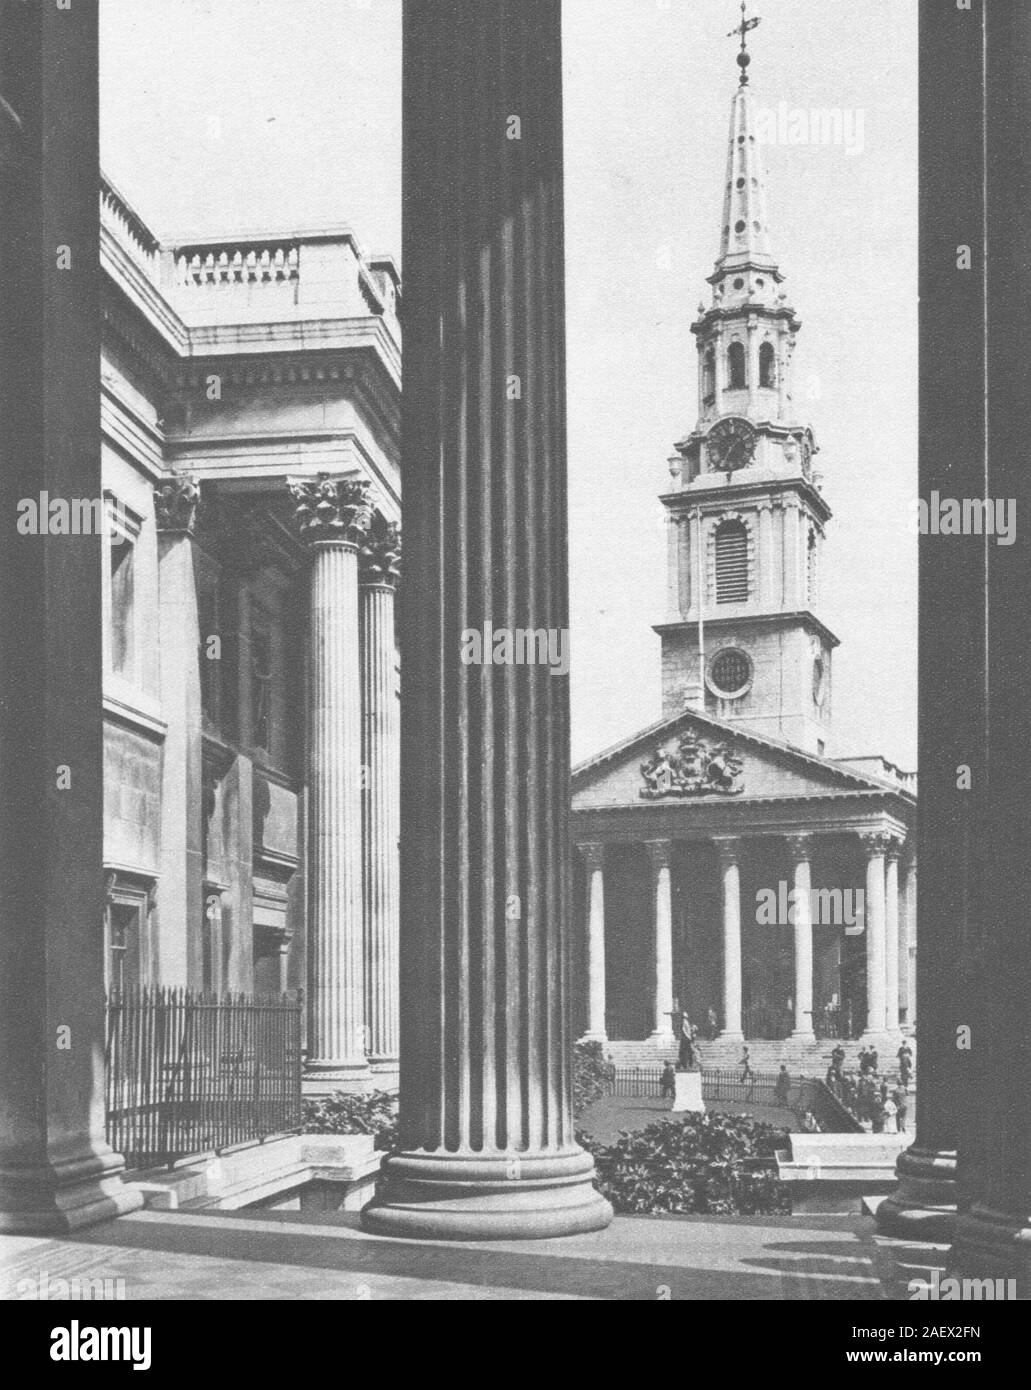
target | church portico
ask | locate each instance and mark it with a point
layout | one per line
(763, 919)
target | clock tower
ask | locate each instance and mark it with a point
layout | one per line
(745, 513)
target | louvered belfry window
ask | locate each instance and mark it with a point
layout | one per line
(731, 562)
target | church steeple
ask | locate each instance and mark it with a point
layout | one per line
(746, 512)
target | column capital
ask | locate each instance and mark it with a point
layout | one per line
(659, 852)
(331, 509)
(175, 504)
(896, 844)
(379, 559)
(874, 841)
(800, 846)
(728, 847)
(592, 852)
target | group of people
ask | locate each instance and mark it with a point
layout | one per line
(871, 1097)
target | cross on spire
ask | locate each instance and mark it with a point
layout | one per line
(744, 57)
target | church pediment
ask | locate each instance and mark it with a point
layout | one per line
(694, 758)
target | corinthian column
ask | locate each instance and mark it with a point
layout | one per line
(799, 846)
(486, 1122)
(891, 935)
(594, 859)
(378, 574)
(728, 852)
(333, 517)
(659, 854)
(875, 846)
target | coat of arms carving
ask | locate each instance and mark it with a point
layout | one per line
(693, 768)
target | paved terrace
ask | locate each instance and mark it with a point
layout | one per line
(285, 1255)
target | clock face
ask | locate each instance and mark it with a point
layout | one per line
(731, 444)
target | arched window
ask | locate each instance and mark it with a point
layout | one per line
(767, 365)
(731, 562)
(811, 568)
(736, 366)
(709, 376)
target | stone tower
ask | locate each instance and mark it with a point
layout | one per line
(746, 516)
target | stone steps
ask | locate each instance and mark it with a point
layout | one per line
(810, 1059)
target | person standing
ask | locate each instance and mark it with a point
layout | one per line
(783, 1087)
(668, 1081)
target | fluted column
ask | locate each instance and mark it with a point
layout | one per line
(891, 934)
(57, 1171)
(594, 860)
(181, 886)
(993, 1232)
(378, 574)
(659, 852)
(728, 851)
(907, 942)
(486, 1124)
(332, 517)
(874, 846)
(800, 848)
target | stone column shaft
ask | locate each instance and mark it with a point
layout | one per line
(728, 851)
(486, 1125)
(891, 937)
(993, 1228)
(799, 846)
(333, 518)
(182, 853)
(57, 1171)
(380, 750)
(594, 859)
(659, 853)
(875, 846)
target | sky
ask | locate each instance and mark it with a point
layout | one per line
(284, 114)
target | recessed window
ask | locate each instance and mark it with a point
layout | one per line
(736, 366)
(121, 589)
(739, 284)
(739, 227)
(261, 682)
(766, 364)
(740, 183)
(709, 375)
(731, 557)
(730, 673)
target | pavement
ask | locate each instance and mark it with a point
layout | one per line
(286, 1255)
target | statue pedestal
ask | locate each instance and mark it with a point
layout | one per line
(688, 1092)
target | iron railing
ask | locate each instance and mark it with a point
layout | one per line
(760, 1087)
(188, 1073)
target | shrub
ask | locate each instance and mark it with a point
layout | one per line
(372, 1113)
(714, 1164)
(591, 1074)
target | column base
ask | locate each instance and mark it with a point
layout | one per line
(597, 1037)
(923, 1206)
(323, 1078)
(433, 1196)
(56, 1197)
(992, 1244)
(805, 1035)
(734, 1035)
(663, 1038)
(385, 1071)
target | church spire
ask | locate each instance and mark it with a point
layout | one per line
(745, 240)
